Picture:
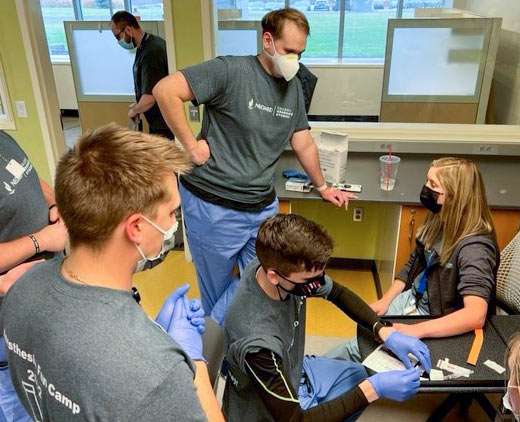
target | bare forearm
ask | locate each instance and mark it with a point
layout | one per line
(48, 193)
(456, 323)
(308, 158)
(205, 393)
(146, 102)
(171, 104)
(395, 289)
(14, 252)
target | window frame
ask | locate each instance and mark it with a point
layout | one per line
(339, 60)
(78, 15)
(7, 122)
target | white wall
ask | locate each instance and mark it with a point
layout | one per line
(349, 90)
(507, 67)
(65, 86)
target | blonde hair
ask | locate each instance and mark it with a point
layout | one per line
(111, 173)
(465, 211)
(513, 359)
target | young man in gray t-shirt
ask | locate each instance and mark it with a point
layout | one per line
(78, 345)
(253, 108)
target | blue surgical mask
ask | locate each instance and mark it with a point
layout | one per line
(167, 244)
(123, 43)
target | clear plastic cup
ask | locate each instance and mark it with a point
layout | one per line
(388, 171)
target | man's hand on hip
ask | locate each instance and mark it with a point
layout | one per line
(337, 197)
(200, 153)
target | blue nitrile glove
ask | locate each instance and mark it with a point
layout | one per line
(196, 315)
(288, 173)
(401, 344)
(165, 314)
(396, 385)
(180, 328)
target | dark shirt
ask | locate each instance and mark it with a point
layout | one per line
(150, 66)
(470, 271)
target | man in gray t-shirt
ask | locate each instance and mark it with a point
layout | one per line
(30, 230)
(78, 345)
(253, 108)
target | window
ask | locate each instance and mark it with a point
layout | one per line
(55, 12)
(150, 10)
(100, 10)
(6, 117)
(355, 34)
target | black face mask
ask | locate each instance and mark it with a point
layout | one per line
(429, 199)
(307, 289)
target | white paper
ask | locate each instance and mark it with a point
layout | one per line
(495, 366)
(380, 361)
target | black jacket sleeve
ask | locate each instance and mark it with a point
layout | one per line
(352, 305)
(265, 369)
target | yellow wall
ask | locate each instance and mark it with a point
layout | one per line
(352, 239)
(187, 30)
(28, 130)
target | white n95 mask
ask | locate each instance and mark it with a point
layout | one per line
(167, 244)
(285, 65)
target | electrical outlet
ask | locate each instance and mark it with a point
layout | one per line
(20, 109)
(358, 214)
(485, 149)
(385, 147)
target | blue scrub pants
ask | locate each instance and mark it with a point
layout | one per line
(325, 379)
(219, 238)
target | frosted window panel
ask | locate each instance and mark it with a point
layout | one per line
(103, 67)
(435, 61)
(237, 42)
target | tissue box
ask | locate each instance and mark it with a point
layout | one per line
(333, 151)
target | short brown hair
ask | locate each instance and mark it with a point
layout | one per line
(111, 173)
(124, 18)
(291, 243)
(274, 21)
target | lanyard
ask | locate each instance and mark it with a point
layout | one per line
(422, 284)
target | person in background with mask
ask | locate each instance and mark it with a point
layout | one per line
(253, 108)
(79, 346)
(511, 400)
(269, 378)
(150, 66)
(451, 274)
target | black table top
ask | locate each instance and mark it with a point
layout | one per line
(456, 349)
(506, 325)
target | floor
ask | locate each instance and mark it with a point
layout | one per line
(327, 326)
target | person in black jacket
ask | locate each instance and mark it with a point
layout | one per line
(452, 271)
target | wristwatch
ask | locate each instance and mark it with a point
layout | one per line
(377, 327)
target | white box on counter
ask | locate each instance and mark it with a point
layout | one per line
(333, 152)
